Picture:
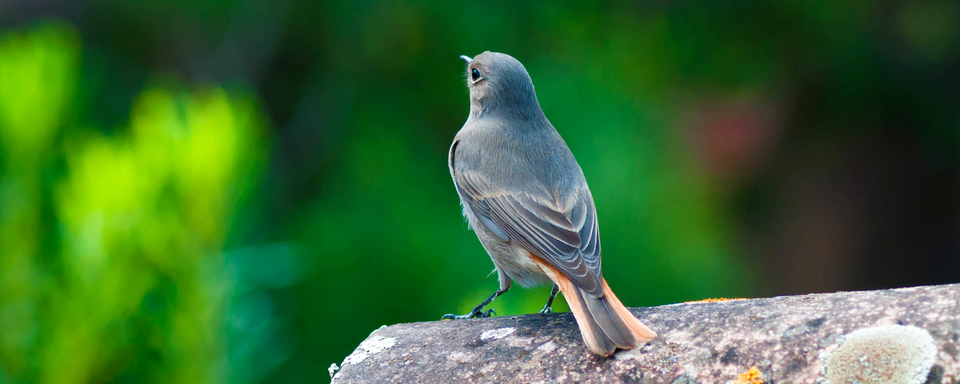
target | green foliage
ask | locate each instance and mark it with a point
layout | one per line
(114, 266)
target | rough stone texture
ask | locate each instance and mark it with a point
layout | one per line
(784, 337)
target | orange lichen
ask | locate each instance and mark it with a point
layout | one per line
(751, 376)
(719, 299)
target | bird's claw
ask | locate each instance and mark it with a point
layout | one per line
(472, 315)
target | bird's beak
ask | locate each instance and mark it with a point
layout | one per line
(466, 58)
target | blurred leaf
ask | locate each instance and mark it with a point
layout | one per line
(38, 71)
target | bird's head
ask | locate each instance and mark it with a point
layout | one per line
(499, 85)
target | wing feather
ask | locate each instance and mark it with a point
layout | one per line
(567, 238)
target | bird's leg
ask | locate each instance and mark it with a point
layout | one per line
(478, 310)
(548, 307)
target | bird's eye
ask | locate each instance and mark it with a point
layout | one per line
(475, 74)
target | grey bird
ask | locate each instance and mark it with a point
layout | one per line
(526, 198)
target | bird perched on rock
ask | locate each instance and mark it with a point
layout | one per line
(525, 196)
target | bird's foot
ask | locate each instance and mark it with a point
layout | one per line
(548, 307)
(478, 310)
(476, 313)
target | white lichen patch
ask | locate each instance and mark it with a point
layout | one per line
(888, 354)
(630, 354)
(369, 347)
(460, 357)
(547, 347)
(681, 336)
(519, 342)
(496, 334)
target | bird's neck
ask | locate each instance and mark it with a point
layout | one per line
(524, 108)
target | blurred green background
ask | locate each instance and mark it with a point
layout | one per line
(242, 190)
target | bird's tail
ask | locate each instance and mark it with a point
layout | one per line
(604, 322)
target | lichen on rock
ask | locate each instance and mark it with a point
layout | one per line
(889, 354)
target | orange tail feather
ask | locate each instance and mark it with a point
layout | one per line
(604, 322)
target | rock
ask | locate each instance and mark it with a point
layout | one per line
(794, 339)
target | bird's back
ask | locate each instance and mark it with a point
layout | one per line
(508, 163)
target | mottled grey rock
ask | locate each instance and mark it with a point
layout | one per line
(790, 339)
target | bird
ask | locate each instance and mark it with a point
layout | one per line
(526, 198)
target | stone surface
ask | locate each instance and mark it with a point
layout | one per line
(785, 338)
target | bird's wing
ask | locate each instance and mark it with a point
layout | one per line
(568, 239)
